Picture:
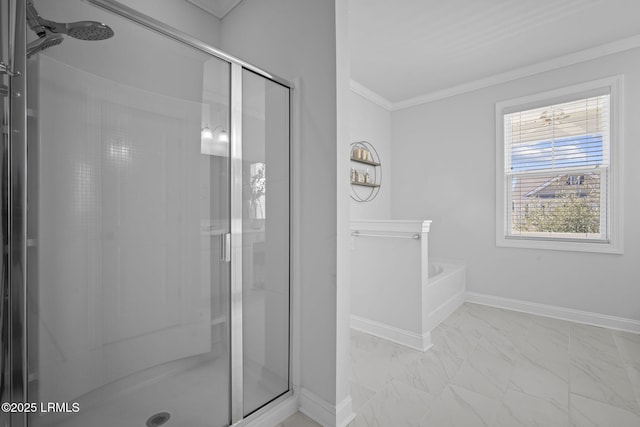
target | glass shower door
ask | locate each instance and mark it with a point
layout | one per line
(146, 211)
(265, 240)
(128, 222)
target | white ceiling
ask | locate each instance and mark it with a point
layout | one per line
(404, 49)
(218, 8)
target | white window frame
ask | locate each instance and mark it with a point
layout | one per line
(615, 242)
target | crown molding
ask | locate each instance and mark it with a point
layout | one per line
(541, 67)
(370, 95)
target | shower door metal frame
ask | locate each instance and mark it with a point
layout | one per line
(15, 181)
(237, 354)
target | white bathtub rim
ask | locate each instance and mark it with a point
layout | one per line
(449, 267)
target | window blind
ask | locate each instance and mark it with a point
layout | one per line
(556, 169)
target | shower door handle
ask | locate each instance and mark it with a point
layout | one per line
(225, 247)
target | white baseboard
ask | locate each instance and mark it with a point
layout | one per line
(391, 333)
(444, 311)
(344, 412)
(562, 313)
(324, 413)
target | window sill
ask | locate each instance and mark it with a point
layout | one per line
(559, 245)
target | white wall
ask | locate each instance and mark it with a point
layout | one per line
(344, 412)
(296, 39)
(444, 169)
(182, 15)
(370, 122)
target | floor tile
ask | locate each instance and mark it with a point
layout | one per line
(628, 345)
(549, 350)
(470, 321)
(374, 361)
(494, 367)
(396, 405)
(512, 325)
(502, 342)
(530, 376)
(597, 370)
(458, 407)
(427, 374)
(298, 420)
(594, 343)
(453, 341)
(359, 395)
(487, 371)
(555, 329)
(603, 381)
(519, 409)
(483, 312)
(592, 413)
(450, 364)
(365, 344)
(634, 377)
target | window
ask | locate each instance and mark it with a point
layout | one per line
(557, 169)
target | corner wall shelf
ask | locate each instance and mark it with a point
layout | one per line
(365, 183)
(366, 162)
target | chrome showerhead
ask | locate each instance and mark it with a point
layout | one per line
(43, 43)
(88, 30)
(83, 30)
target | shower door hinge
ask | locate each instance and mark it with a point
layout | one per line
(225, 247)
(4, 69)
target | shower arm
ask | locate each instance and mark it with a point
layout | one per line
(40, 25)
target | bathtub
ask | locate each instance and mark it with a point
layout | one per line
(397, 292)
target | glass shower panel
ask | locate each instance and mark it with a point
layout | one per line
(265, 240)
(128, 195)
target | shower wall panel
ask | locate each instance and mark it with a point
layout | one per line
(119, 221)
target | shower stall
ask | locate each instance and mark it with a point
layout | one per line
(145, 223)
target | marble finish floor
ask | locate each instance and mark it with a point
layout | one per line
(494, 367)
(298, 420)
